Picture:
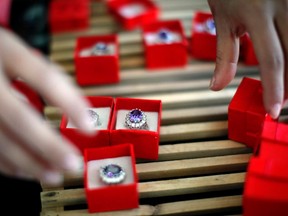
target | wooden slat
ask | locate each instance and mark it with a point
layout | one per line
(143, 210)
(202, 206)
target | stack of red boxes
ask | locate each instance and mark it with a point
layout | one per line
(69, 15)
(266, 183)
(115, 142)
(133, 13)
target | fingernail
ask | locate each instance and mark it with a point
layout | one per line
(73, 162)
(53, 178)
(212, 82)
(275, 110)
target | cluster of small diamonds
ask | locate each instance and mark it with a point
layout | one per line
(136, 119)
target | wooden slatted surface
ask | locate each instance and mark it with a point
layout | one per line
(199, 171)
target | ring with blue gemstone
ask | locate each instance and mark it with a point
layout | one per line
(112, 174)
(210, 26)
(165, 36)
(136, 119)
(100, 48)
(94, 118)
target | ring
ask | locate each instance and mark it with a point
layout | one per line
(165, 36)
(136, 119)
(94, 118)
(100, 48)
(112, 174)
(210, 26)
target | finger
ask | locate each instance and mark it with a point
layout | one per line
(271, 63)
(282, 29)
(27, 125)
(227, 55)
(45, 77)
(24, 165)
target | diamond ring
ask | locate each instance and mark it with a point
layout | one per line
(100, 48)
(210, 26)
(94, 118)
(136, 119)
(112, 174)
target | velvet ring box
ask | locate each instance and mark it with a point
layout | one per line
(70, 15)
(203, 37)
(266, 188)
(133, 13)
(97, 60)
(109, 197)
(165, 44)
(145, 141)
(246, 113)
(103, 106)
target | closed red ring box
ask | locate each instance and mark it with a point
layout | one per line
(111, 197)
(203, 43)
(101, 138)
(165, 55)
(133, 21)
(246, 113)
(70, 15)
(96, 69)
(30, 94)
(145, 142)
(266, 187)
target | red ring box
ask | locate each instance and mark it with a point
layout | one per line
(246, 113)
(203, 43)
(128, 20)
(248, 53)
(266, 187)
(70, 15)
(81, 140)
(111, 197)
(96, 69)
(145, 142)
(165, 55)
(32, 96)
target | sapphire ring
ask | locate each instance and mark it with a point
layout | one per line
(136, 119)
(165, 36)
(94, 118)
(112, 174)
(100, 48)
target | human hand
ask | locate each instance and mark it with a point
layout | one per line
(29, 148)
(266, 23)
